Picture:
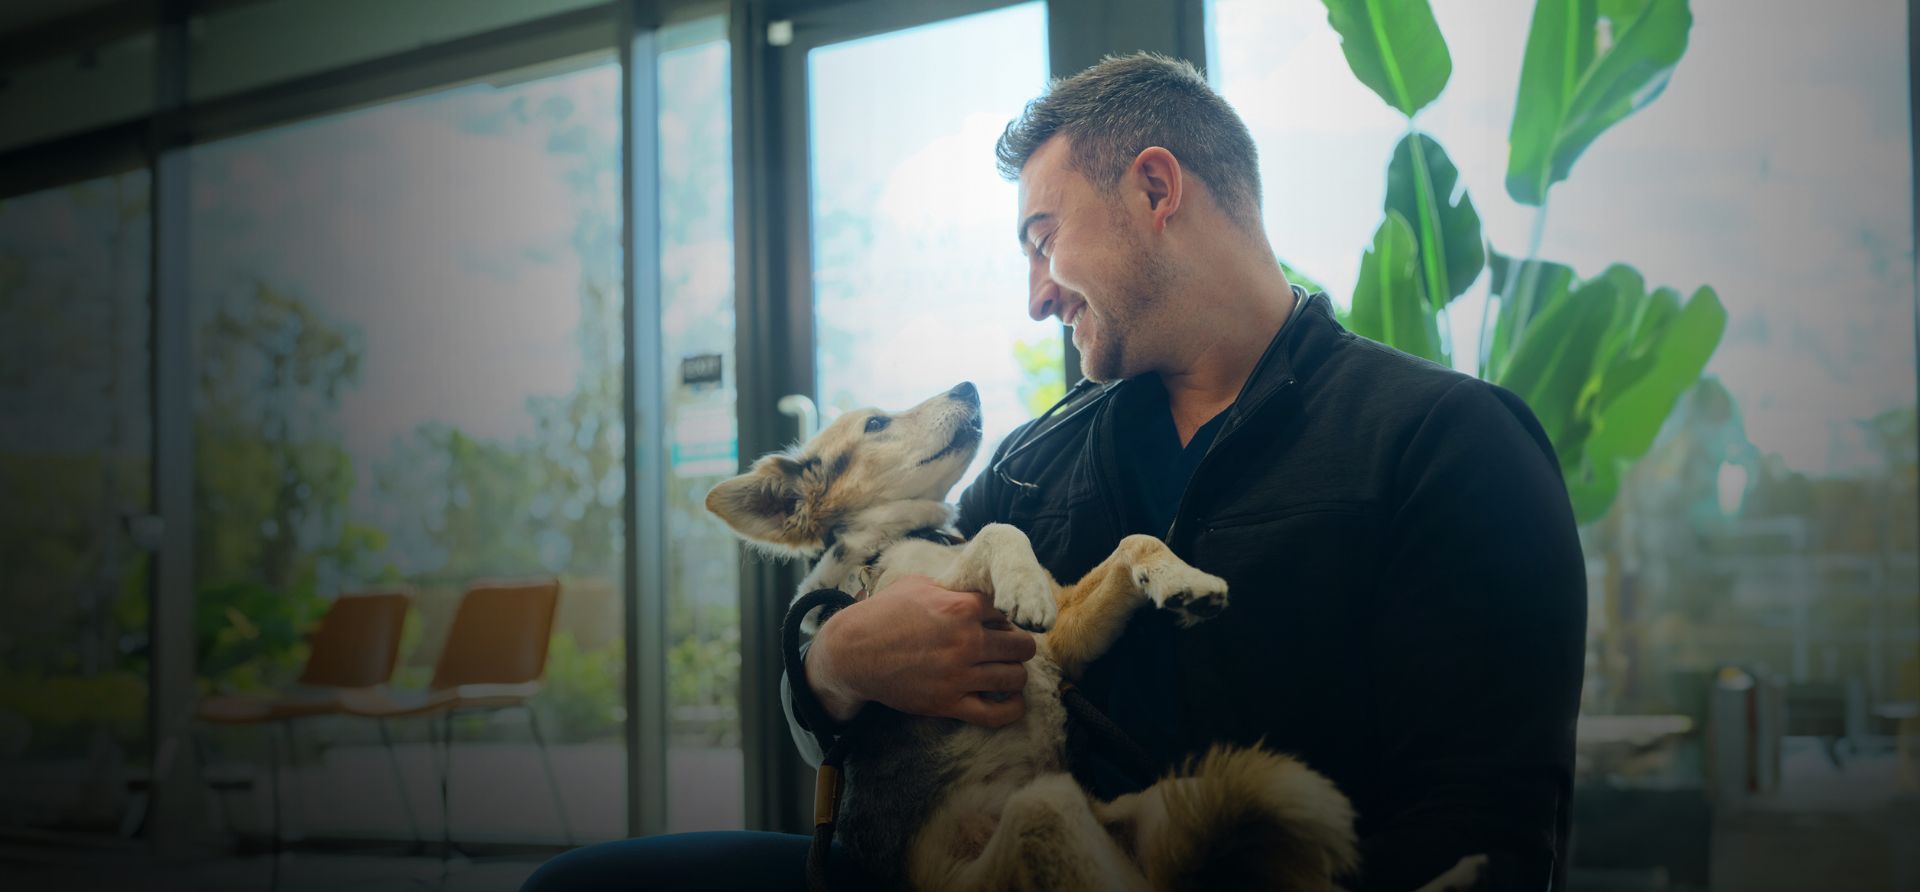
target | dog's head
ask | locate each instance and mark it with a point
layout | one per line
(791, 501)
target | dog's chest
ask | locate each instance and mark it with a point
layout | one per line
(914, 557)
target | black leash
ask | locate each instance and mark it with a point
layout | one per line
(1126, 753)
(830, 782)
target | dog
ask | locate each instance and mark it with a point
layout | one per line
(936, 804)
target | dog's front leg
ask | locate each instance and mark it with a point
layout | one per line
(999, 561)
(1143, 570)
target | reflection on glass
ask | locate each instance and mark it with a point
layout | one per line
(918, 281)
(705, 773)
(74, 468)
(408, 361)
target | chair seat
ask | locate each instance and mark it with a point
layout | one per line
(253, 709)
(381, 703)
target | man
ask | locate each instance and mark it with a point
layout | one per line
(1408, 595)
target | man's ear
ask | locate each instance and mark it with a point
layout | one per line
(1157, 174)
(761, 503)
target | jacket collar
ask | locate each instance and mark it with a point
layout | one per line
(1296, 351)
(1304, 341)
(1299, 348)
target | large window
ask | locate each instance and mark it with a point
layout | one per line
(1773, 526)
(918, 283)
(75, 469)
(408, 354)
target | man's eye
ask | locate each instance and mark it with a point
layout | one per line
(877, 423)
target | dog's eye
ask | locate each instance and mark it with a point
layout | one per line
(878, 423)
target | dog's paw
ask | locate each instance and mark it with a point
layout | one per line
(1027, 597)
(1191, 595)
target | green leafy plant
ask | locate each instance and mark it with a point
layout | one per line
(1042, 379)
(1602, 361)
(583, 692)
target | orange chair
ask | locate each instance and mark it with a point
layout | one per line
(354, 650)
(495, 658)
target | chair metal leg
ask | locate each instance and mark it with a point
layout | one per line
(400, 782)
(204, 755)
(553, 780)
(273, 762)
(446, 775)
(281, 732)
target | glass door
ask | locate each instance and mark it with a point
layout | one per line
(76, 467)
(917, 282)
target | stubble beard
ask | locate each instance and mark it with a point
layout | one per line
(1143, 288)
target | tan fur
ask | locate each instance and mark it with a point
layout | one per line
(1094, 611)
(1464, 876)
(789, 501)
(1238, 819)
(1014, 819)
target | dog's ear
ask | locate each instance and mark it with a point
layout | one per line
(761, 504)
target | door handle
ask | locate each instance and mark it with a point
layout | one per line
(805, 414)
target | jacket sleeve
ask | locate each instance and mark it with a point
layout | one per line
(1479, 648)
(812, 729)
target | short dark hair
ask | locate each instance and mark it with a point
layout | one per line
(1113, 111)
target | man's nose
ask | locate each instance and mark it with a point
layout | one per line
(1043, 296)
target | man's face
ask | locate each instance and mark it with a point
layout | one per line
(1089, 266)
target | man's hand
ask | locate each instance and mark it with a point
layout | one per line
(923, 650)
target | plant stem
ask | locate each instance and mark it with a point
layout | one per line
(1524, 288)
(1484, 345)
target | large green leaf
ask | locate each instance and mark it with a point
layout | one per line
(1619, 12)
(1394, 47)
(1630, 300)
(1572, 88)
(1388, 303)
(1591, 487)
(1631, 348)
(1556, 359)
(1548, 283)
(1421, 181)
(1678, 349)
(1559, 49)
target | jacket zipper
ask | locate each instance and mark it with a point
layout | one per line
(1226, 430)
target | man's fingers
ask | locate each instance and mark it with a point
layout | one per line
(977, 710)
(1002, 677)
(1007, 645)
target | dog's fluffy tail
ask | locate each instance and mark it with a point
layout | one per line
(1251, 819)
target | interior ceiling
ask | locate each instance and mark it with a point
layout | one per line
(21, 15)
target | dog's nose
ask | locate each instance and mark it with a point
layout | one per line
(965, 392)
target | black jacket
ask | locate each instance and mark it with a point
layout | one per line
(1408, 597)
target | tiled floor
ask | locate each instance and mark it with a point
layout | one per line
(70, 871)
